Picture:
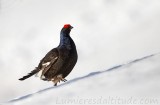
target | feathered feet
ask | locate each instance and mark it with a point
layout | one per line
(57, 79)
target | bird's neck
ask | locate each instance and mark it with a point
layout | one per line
(64, 40)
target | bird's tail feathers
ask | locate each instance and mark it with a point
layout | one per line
(36, 70)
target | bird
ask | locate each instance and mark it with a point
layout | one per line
(58, 62)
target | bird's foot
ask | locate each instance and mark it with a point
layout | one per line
(58, 79)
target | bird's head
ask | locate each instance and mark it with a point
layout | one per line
(66, 29)
(67, 26)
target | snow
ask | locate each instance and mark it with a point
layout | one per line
(106, 32)
(135, 82)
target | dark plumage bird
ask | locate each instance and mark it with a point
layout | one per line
(58, 62)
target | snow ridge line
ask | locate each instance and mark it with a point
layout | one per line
(80, 78)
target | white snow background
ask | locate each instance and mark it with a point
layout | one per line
(107, 33)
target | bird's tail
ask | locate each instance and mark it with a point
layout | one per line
(36, 70)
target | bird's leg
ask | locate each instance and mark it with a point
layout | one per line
(57, 79)
(60, 77)
(55, 84)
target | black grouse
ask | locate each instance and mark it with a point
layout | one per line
(58, 62)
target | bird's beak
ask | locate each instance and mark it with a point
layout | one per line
(71, 27)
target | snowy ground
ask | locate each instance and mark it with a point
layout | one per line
(106, 32)
(133, 83)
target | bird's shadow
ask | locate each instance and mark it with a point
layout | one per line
(80, 78)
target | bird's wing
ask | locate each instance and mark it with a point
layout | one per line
(49, 60)
(44, 65)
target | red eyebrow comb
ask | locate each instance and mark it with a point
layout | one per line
(67, 26)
